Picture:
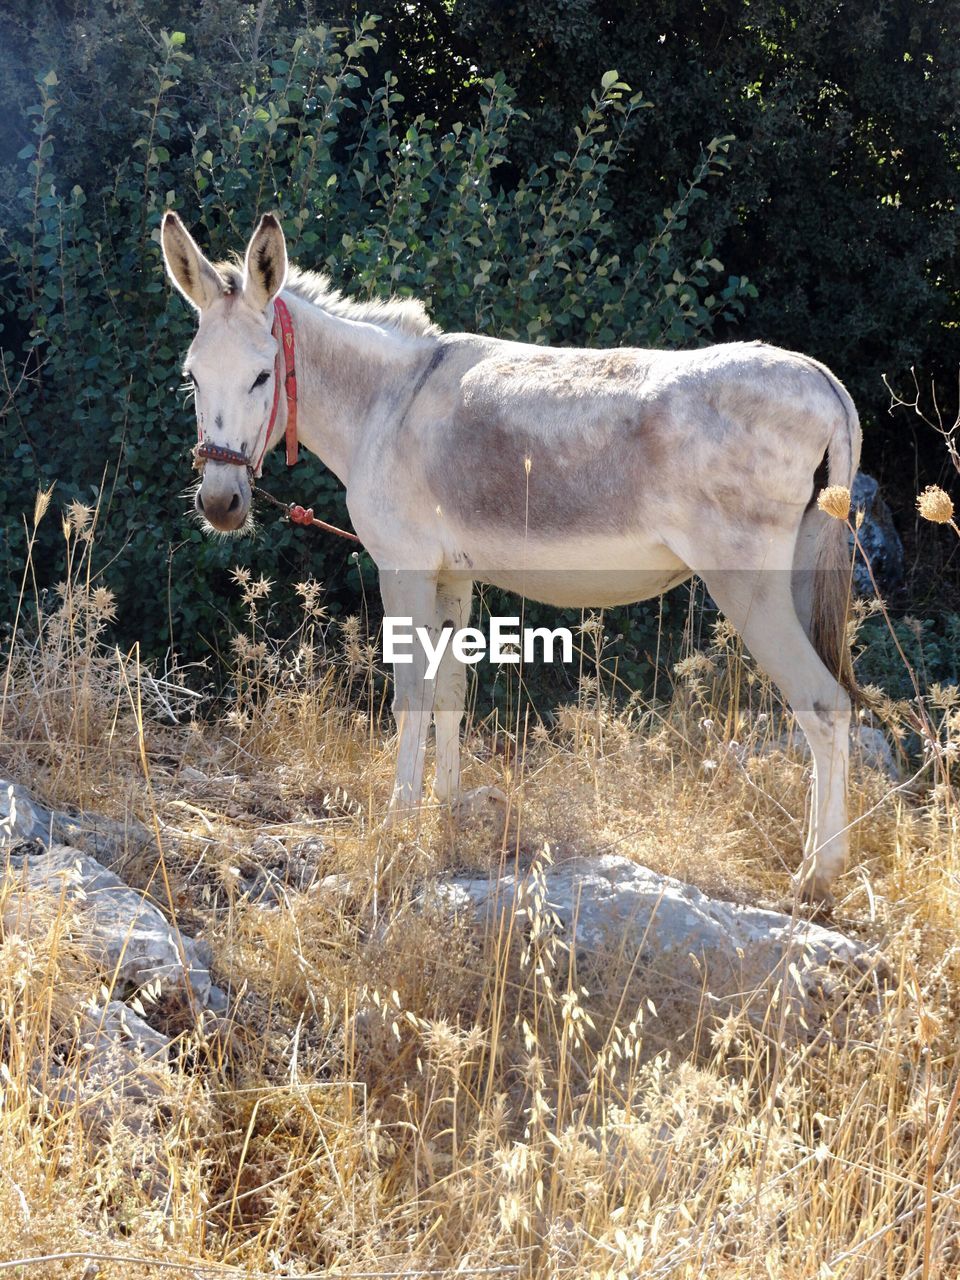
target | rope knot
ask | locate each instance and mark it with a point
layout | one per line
(300, 515)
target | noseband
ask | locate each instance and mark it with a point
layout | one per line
(286, 356)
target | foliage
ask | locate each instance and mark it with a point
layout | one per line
(931, 646)
(386, 202)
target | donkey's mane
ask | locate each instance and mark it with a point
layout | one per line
(404, 315)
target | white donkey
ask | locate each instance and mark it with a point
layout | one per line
(576, 477)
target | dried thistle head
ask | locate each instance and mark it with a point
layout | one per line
(726, 1034)
(80, 517)
(311, 594)
(251, 589)
(591, 627)
(944, 696)
(351, 640)
(877, 700)
(241, 646)
(103, 604)
(835, 501)
(724, 633)
(350, 628)
(693, 666)
(935, 505)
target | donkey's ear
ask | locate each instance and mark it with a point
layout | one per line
(265, 266)
(189, 270)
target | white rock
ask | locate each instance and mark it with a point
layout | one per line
(124, 933)
(23, 817)
(118, 1058)
(117, 1078)
(337, 885)
(606, 904)
(872, 748)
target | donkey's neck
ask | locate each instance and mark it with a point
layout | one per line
(349, 374)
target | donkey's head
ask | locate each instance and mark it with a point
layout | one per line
(232, 359)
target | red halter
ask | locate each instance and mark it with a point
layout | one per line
(286, 356)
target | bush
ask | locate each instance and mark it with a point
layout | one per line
(92, 337)
(931, 646)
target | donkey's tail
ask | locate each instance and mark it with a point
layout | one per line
(824, 552)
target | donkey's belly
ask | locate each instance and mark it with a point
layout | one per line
(589, 572)
(585, 588)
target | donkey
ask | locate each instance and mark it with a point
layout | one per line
(575, 477)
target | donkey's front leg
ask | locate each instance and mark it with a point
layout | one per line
(453, 612)
(410, 595)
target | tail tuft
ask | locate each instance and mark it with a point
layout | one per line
(825, 544)
(832, 595)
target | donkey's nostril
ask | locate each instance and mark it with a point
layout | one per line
(234, 502)
(199, 500)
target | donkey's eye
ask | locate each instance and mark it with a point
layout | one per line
(261, 379)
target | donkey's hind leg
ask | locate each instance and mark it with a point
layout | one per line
(760, 604)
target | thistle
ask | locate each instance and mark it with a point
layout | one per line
(935, 505)
(835, 501)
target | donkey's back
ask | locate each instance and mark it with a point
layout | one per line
(554, 445)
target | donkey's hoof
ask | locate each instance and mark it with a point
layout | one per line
(481, 802)
(397, 816)
(812, 892)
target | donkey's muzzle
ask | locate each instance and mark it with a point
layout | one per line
(226, 506)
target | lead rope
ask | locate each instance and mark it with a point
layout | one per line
(302, 515)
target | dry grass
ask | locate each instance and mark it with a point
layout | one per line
(395, 1096)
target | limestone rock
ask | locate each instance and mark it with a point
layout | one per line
(118, 1058)
(608, 905)
(872, 748)
(22, 817)
(117, 1078)
(126, 935)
